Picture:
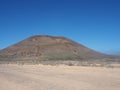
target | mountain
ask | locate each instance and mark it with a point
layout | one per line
(48, 48)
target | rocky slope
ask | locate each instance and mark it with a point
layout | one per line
(41, 48)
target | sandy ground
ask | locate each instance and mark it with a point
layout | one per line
(40, 77)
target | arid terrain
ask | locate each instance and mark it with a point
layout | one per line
(54, 50)
(21, 69)
(46, 77)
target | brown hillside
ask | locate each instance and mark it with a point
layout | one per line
(50, 48)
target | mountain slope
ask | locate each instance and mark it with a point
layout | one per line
(50, 48)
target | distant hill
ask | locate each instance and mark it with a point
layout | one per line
(41, 48)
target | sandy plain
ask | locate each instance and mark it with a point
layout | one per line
(45, 77)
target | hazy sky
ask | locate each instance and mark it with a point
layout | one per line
(93, 23)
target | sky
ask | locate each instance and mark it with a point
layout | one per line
(93, 23)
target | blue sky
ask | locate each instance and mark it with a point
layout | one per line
(93, 23)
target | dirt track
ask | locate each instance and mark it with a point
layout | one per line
(39, 77)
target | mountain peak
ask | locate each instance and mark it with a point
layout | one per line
(45, 47)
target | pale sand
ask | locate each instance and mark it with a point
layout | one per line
(40, 77)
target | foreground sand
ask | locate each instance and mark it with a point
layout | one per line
(40, 77)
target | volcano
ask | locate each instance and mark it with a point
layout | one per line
(48, 48)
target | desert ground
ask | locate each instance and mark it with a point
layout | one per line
(46, 77)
